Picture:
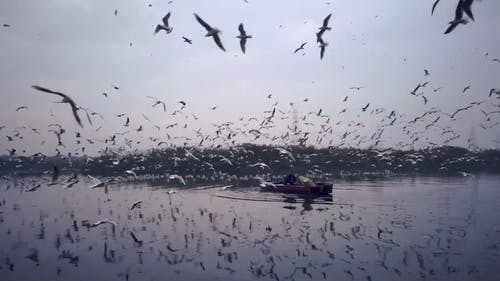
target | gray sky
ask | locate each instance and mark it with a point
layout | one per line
(81, 48)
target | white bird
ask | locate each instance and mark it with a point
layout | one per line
(98, 182)
(260, 165)
(286, 152)
(99, 222)
(132, 173)
(165, 25)
(177, 177)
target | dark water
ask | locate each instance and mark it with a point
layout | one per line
(391, 229)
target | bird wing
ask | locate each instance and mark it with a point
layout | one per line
(459, 11)
(243, 41)
(158, 28)
(466, 7)
(48, 91)
(242, 29)
(322, 52)
(434, 6)
(325, 21)
(165, 19)
(319, 34)
(75, 113)
(450, 28)
(218, 42)
(164, 107)
(202, 22)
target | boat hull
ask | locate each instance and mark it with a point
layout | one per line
(317, 188)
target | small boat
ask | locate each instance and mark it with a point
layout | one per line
(316, 188)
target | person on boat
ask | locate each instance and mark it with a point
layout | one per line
(290, 179)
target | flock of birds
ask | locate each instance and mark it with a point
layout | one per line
(339, 240)
(280, 124)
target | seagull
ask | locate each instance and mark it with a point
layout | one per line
(136, 204)
(458, 18)
(260, 165)
(300, 48)
(465, 89)
(65, 99)
(98, 182)
(366, 106)
(243, 37)
(187, 40)
(99, 222)
(356, 88)
(426, 72)
(165, 25)
(157, 102)
(211, 32)
(21, 107)
(177, 177)
(132, 173)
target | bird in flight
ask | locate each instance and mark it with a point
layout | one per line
(463, 5)
(300, 48)
(243, 37)
(213, 32)
(187, 40)
(323, 28)
(465, 89)
(136, 204)
(165, 25)
(65, 99)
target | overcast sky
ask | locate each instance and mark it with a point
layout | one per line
(82, 49)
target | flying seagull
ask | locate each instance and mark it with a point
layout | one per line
(136, 204)
(459, 11)
(300, 48)
(103, 221)
(211, 32)
(165, 25)
(187, 40)
(65, 99)
(243, 37)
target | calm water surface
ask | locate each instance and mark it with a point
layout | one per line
(390, 229)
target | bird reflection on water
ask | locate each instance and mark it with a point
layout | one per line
(396, 229)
